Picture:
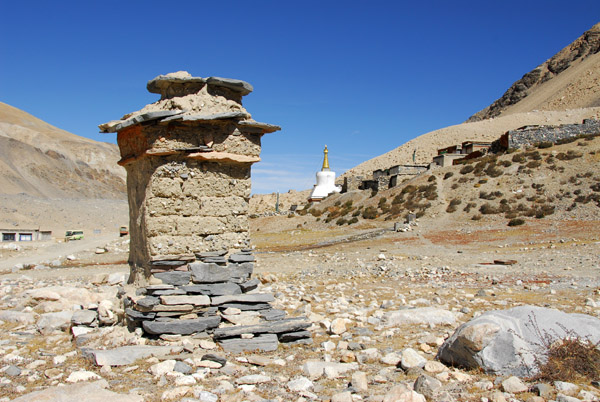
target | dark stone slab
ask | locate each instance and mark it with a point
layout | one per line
(303, 341)
(262, 343)
(249, 285)
(209, 273)
(241, 272)
(273, 327)
(247, 306)
(183, 327)
(217, 259)
(240, 86)
(215, 358)
(176, 278)
(207, 117)
(168, 263)
(258, 127)
(294, 336)
(241, 257)
(148, 302)
(160, 84)
(141, 118)
(214, 289)
(181, 367)
(273, 314)
(216, 253)
(138, 315)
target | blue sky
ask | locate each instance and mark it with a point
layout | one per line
(362, 77)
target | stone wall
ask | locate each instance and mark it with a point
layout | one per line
(536, 134)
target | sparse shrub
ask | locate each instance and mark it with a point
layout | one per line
(452, 206)
(369, 213)
(566, 140)
(488, 209)
(408, 189)
(582, 144)
(534, 164)
(516, 222)
(463, 180)
(290, 215)
(467, 169)
(373, 193)
(348, 204)
(476, 217)
(570, 155)
(353, 221)
(454, 186)
(505, 163)
(511, 215)
(399, 199)
(468, 207)
(356, 213)
(518, 158)
(493, 171)
(572, 358)
(337, 203)
(315, 212)
(431, 178)
(448, 175)
(341, 222)
(545, 144)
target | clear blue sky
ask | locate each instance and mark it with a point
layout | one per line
(362, 77)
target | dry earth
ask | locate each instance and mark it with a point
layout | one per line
(327, 276)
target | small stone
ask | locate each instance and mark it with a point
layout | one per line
(162, 368)
(181, 367)
(434, 367)
(300, 384)
(566, 388)
(513, 385)
(253, 379)
(82, 375)
(427, 386)
(391, 359)
(359, 381)
(411, 358)
(345, 396)
(12, 371)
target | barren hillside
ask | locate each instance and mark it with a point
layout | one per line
(485, 130)
(568, 80)
(41, 160)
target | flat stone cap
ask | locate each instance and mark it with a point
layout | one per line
(162, 83)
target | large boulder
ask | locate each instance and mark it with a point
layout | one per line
(511, 342)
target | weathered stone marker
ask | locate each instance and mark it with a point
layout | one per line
(188, 158)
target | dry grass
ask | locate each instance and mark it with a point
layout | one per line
(570, 359)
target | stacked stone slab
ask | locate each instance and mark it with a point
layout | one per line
(188, 158)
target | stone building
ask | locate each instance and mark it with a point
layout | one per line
(188, 158)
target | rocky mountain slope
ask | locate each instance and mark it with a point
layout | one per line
(570, 79)
(41, 160)
(564, 89)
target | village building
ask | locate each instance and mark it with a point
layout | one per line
(15, 235)
(325, 181)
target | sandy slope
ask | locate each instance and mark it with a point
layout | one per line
(485, 130)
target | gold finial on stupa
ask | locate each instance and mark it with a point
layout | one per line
(325, 159)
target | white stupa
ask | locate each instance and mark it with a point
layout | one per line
(325, 182)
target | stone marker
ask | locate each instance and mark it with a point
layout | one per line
(188, 158)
